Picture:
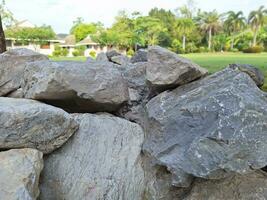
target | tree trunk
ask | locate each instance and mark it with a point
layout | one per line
(2, 38)
(184, 41)
(210, 38)
(232, 42)
(255, 37)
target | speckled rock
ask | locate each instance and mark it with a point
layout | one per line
(76, 86)
(19, 174)
(101, 161)
(211, 128)
(31, 124)
(12, 64)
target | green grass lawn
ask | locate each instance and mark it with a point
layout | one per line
(217, 61)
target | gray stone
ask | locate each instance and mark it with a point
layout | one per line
(249, 187)
(211, 128)
(30, 124)
(120, 60)
(158, 183)
(12, 64)
(76, 86)
(169, 70)
(102, 57)
(19, 174)
(101, 161)
(139, 56)
(90, 60)
(252, 71)
(111, 54)
(16, 94)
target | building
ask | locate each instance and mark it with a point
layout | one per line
(47, 47)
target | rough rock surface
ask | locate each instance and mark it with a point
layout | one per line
(111, 54)
(252, 71)
(139, 56)
(12, 64)
(76, 86)
(101, 161)
(169, 70)
(120, 59)
(102, 57)
(19, 174)
(210, 128)
(30, 124)
(249, 187)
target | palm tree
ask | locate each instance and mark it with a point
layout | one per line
(209, 22)
(234, 23)
(2, 38)
(256, 20)
(185, 26)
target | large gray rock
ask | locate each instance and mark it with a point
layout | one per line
(210, 128)
(102, 57)
(12, 64)
(111, 54)
(101, 161)
(19, 174)
(120, 60)
(30, 124)
(249, 187)
(139, 56)
(252, 71)
(169, 70)
(76, 86)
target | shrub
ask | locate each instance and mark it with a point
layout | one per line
(79, 51)
(130, 52)
(203, 50)
(234, 50)
(191, 48)
(256, 49)
(59, 51)
(92, 54)
(176, 46)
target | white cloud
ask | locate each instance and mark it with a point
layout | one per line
(61, 13)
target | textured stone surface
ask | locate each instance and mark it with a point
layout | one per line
(158, 183)
(139, 56)
(210, 128)
(252, 71)
(12, 64)
(101, 161)
(120, 59)
(168, 70)
(111, 54)
(76, 86)
(19, 174)
(102, 57)
(30, 124)
(249, 187)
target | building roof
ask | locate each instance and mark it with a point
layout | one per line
(69, 41)
(87, 41)
(24, 24)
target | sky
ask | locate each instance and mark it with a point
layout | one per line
(60, 14)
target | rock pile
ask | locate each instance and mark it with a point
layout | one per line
(153, 127)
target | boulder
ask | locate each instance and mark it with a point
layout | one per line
(120, 60)
(169, 70)
(211, 128)
(19, 174)
(251, 186)
(252, 71)
(102, 57)
(101, 161)
(30, 124)
(16, 94)
(139, 56)
(111, 54)
(76, 86)
(12, 64)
